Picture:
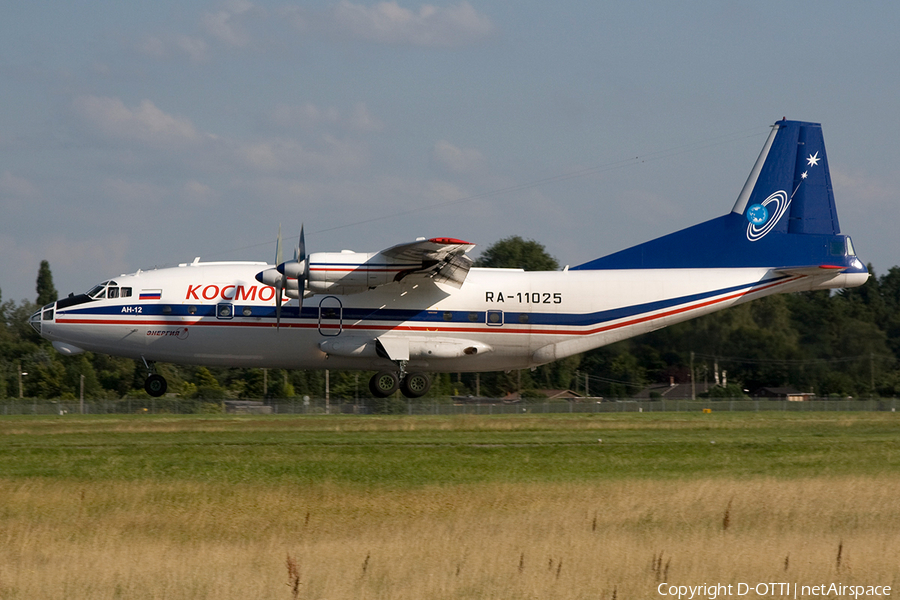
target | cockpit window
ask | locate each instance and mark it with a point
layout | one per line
(850, 249)
(109, 289)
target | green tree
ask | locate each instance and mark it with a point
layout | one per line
(46, 293)
(517, 253)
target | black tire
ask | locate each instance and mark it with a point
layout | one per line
(383, 384)
(415, 385)
(156, 385)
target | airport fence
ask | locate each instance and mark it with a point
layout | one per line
(403, 406)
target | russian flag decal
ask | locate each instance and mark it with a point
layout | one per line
(151, 294)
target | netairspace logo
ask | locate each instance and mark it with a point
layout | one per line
(772, 590)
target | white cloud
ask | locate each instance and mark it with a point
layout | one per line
(145, 123)
(390, 23)
(861, 189)
(132, 192)
(199, 194)
(196, 49)
(306, 116)
(290, 156)
(457, 160)
(224, 25)
(69, 259)
(362, 120)
(152, 46)
(310, 116)
(108, 251)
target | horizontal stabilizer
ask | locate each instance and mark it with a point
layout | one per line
(811, 271)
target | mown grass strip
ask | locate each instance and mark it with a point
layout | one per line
(416, 451)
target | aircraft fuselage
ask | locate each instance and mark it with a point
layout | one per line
(218, 314)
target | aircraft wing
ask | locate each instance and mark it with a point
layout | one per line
(442, 259)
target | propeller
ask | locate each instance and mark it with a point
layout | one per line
(285, 270)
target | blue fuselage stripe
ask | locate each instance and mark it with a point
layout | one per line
(399, 316)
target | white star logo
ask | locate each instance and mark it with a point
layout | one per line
(803, 175)
(813, 159)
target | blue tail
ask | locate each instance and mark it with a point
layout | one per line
(784, 217)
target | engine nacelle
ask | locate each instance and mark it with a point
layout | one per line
(353, 272)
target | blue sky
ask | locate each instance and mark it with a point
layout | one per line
(135, 135)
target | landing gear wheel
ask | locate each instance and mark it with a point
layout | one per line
(155, 385)
(383, 384)
(415, 385)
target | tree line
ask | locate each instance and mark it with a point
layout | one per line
(833, 344)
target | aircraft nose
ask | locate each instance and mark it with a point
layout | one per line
(35, 321)
(45, 314)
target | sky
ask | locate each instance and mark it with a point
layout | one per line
(144, 134)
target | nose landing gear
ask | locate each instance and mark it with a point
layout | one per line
(155, 384)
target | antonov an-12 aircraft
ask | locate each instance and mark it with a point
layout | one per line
(421, 307)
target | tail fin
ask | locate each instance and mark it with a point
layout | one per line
(785, 216)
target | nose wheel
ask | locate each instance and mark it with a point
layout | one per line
(411, 385)
(155, 385)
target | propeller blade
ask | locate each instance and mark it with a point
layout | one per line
(278, 254)
(279, 290)
(301, 246)
(289, 270)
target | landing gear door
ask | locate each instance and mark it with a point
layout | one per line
(330, 316)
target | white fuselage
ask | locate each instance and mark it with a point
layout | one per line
(219, 314)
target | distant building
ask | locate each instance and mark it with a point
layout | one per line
(672, 391)
(783, 393)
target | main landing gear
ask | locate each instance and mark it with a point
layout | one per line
(411, 385)
(155, 384)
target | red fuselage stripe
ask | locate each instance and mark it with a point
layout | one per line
(481, 327)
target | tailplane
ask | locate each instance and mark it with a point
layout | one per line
(784, 217)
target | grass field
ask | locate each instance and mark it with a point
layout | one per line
(444, 507)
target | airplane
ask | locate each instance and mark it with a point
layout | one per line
(422, 307)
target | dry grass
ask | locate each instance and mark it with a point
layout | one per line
(73, 540)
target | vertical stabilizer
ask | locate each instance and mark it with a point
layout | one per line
(793, 183)
(785, 215)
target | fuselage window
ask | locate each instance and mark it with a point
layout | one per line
(112, 292)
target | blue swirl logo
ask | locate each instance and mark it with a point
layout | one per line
(758, 214)
(764, 216)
